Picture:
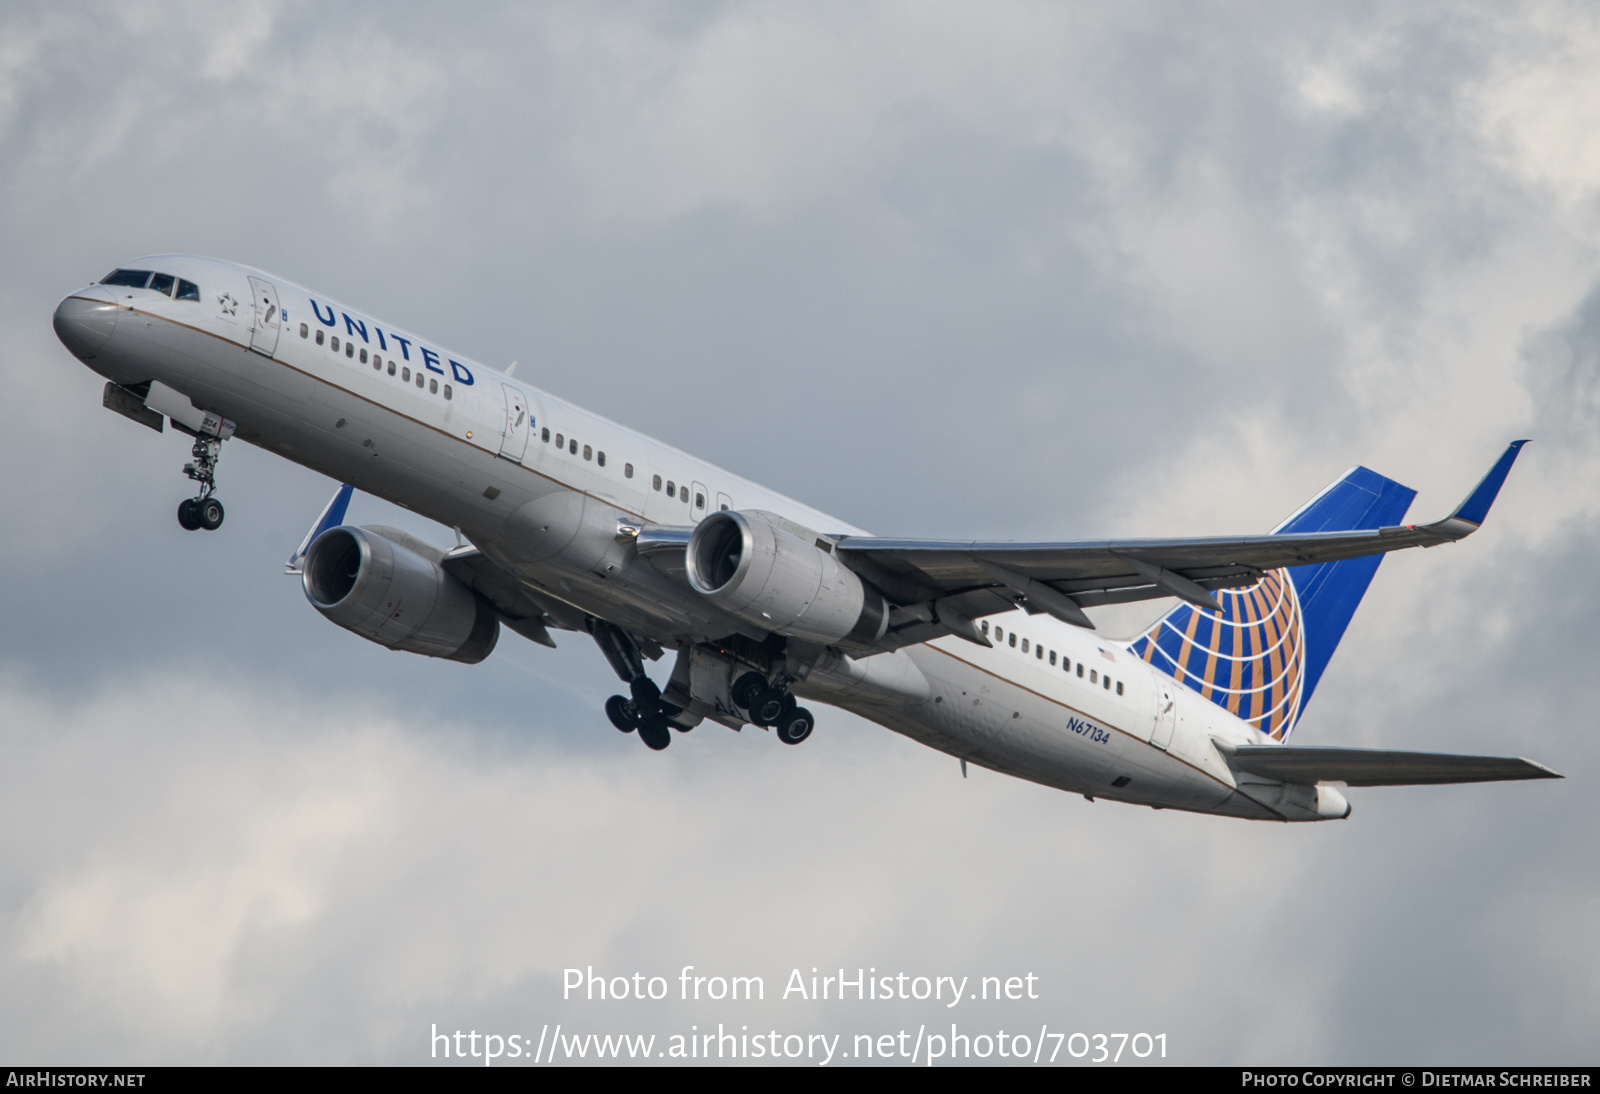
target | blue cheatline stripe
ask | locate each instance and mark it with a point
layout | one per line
(1279, 634)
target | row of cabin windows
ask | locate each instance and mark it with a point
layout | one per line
(1095, 676)
(682, 492)
(394, 368)
(571, 445)
(166, 284)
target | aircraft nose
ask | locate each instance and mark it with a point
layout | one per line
(84, 321)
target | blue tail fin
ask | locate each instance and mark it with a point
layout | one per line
(1261, 658)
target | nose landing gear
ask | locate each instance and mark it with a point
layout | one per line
(203, 510)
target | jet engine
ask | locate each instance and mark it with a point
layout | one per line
(381, 584)
(773, 578)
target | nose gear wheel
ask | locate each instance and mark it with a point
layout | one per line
(202, 510)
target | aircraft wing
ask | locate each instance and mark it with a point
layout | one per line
(1378, 767)
(976, 577)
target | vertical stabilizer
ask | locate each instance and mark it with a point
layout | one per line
(1260, 658)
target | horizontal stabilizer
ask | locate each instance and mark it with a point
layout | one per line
(1378, 767)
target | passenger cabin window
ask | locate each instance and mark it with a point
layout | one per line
(1080, 668)
(334, 342)
(305, 331)
(1052, 657)
(600, 458)
(1038, 651)
(405, 375)
(1013, 639)
(1024, 645)
(134, 279)
(349, 349)
(188, 290)
(672, 491)
(447, 391)
(162, 283)
(391, 362)
(984, 626)
(1094, 676)
(433, 386)
(377, 363)
(588, 453)
(627, 470)
(572, 446)
(319, 338)
(1107, 683)
(363, 357)
(655, 482)
(545, 436)
(1119, 687)
(561, 442)
(419, 379)
(999, 633)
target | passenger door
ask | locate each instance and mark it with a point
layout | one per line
(514, 438)
(264, 328)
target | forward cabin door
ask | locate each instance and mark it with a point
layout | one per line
(514, 439)
(1166, 713)
(268, 318)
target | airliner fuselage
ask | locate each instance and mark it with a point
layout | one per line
(577, 523)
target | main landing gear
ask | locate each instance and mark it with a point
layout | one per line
(204, 510)
(774, 707)
(643, 708)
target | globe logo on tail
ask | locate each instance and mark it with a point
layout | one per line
(1249, 659)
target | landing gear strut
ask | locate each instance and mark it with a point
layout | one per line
(644, 710)
(771, 705)
(203, 510)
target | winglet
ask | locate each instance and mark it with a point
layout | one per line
(1476, 507)
(332, 516)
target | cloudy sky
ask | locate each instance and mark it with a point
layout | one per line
(1004, 269)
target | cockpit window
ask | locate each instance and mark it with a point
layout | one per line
(160, 282)
(132, 278)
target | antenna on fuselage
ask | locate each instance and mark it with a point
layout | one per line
(511, 369)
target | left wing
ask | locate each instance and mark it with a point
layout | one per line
(972, 578)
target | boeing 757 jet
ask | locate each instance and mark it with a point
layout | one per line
(981, 649)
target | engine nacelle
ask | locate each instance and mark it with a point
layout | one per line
(772, 578)
(378, 584)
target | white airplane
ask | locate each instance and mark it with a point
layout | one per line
(979, 649)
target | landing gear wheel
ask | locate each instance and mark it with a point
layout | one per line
(769, 705)
(654, 732)
(745, 688)
(795, 726)
(209, 512)
(623, 714)
(186, 516)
